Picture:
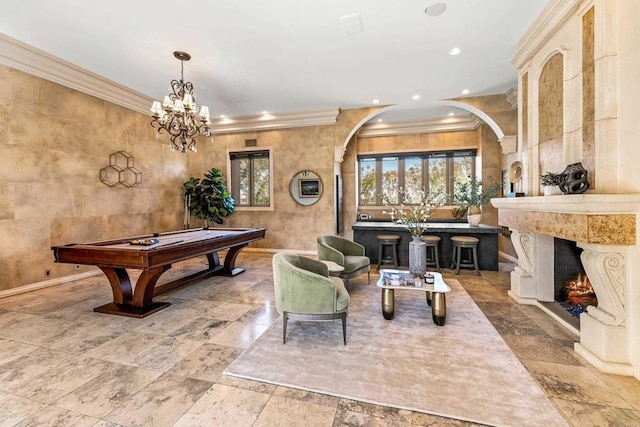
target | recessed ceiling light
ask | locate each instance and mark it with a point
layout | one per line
(379, 120)
(376, 101)
(416, 97)
(222, 116)
(465, 92)
(452, 113)
(455, 51)
(435, 9)
(265, 112)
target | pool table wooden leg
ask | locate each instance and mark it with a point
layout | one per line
(138, 303)
(229, 268)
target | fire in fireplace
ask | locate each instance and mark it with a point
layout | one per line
(573, 291)
(577, 294)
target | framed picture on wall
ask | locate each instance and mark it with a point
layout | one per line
(309, 187)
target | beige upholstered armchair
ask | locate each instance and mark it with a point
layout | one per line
(304, 291)
(345, 253)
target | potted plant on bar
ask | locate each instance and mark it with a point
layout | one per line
(551, 181)
(470, 197)
(208, 199)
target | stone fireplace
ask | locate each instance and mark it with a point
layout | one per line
(604, 227)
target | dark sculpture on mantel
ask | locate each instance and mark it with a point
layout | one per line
(574, 179)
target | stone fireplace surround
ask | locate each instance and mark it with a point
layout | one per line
(604, 226)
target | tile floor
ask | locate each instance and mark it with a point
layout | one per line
(61, 364)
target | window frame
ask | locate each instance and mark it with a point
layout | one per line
(424, 156)
(232, 179)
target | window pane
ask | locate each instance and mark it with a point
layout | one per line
(412, 179)
(261, 181)
(438, 175)
(367, 181)
(462, 171)
(390, 179)
(244, 182)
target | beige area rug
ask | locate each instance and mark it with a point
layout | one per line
(462, 370)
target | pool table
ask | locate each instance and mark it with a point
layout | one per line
(154, 253)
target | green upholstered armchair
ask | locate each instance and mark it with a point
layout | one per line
(304, 291)
(345, 253)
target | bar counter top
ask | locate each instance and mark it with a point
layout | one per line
(440, 227)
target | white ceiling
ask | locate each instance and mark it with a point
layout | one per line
(286, 55)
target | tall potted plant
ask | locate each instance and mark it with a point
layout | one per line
(208, 199)
(470, 196)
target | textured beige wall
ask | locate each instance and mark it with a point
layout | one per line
(54, 142)
(289, 225)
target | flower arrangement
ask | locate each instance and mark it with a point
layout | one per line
(415, 209)
(549, 178)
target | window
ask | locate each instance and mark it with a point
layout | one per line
(380, 176)
(251, 178)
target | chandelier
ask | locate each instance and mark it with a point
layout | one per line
(177, 113)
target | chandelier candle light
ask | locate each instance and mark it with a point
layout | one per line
(177, 113)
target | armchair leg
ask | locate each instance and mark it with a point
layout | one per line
(344, 328)
(369, 277)
(284, 327)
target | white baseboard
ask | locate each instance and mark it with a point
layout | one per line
(47, 283)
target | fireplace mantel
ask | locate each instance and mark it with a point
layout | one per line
(603, 219)
(573, 203)
(604, 226)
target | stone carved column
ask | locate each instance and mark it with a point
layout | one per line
(523, 243)
(523, 278)
(604, 335)
(606, 274)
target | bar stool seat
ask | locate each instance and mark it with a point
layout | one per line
(464, 242)
(391, 241)
(432, 242)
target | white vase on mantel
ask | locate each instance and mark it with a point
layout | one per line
(551, 190)
(417, 256)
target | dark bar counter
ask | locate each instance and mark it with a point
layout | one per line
(365, 233)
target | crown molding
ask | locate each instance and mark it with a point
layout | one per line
(23, 57)
(273, 121)
(554, 15)
(443, 124)
(26, 58)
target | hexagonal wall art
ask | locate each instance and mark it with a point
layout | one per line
(130, 177)
(120, 171)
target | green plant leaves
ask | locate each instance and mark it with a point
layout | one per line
(209, 198)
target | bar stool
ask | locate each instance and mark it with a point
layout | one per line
(464, 242)
(432, 242)
(388, 240)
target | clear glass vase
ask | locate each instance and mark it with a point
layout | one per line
(417, 256)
